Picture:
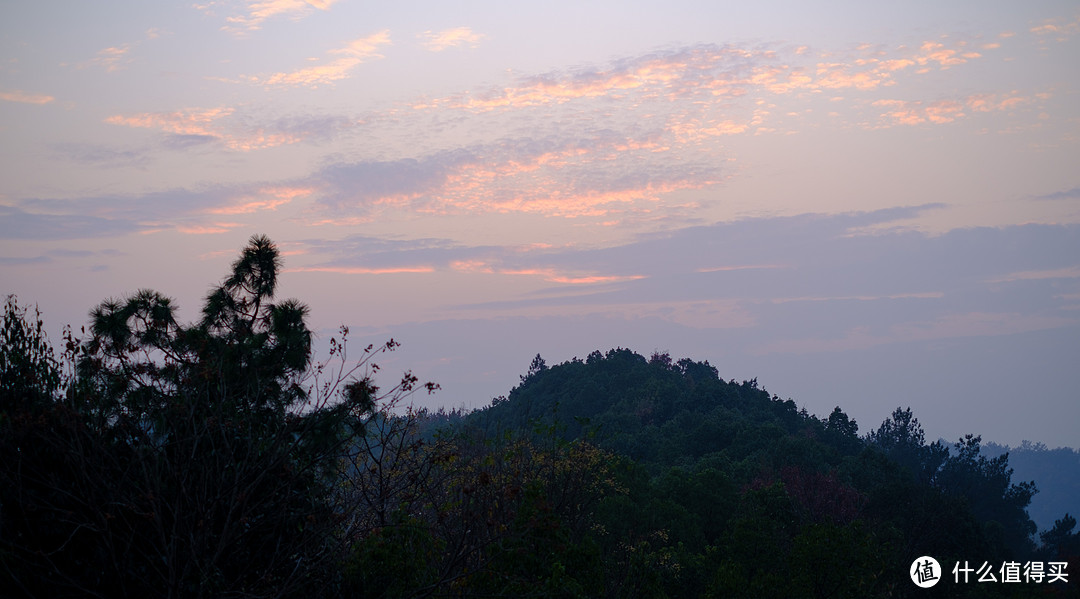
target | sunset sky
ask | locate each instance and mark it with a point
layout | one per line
(858, 204)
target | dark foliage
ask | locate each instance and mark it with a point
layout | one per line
(179, 460)
(741, 493)
(215, 459)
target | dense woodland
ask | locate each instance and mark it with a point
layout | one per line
(148, 457)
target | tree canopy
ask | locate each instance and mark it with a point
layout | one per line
(218, 459)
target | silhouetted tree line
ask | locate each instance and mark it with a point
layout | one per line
(217, 459)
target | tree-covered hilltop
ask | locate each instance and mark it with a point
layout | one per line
(658, 412)
(732, 475)
(152, 457)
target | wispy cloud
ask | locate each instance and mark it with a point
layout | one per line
(437, 41)
(17, 223)
(260, 200)
(937, 52)
(1070, 194)
(190, 122)
(24, 261)
(1069, 272)
(233, 128)
(567, 177)
(103, 156)
(813, 270)
(902, 112)
(25, 98)
(207, 210)
(1058, 28)
(258, 11)
(359, 270)
(697, 95)
(663, 72)
(368, 255)
(207, 229)
(349, 57)
(709, 71)
(113, 58)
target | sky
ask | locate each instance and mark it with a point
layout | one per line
(865, 205)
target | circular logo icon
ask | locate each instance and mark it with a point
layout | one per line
(925, 572)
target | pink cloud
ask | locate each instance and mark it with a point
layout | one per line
(1060, 28)
(450, 38)
(945, 57)
(211, 229)
(903, 112)
(664, 74)
(548, 274)
(695, 130)
(259, 202)
(555, 276)
(258, 11)
(25, 98)
(567, 178)
(351, 55)
(112, 59)
(225, 125)
(356, 270)
(839, 76)
(182, 122)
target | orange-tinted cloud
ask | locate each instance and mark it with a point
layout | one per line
(181, 122)
(437, 41)
(258, 11)
(902, 112)
(117, 57)
(992, 102)
(113, 58)
(840, 75)
(553, 183)
(581, 203)
(25, 98)
(945, 57)
(567, 178)
(210, 229)
(719, 72)
(472, 266)
(357, 270)
(249, 204)
(1061, 29)
(555, 276)
(661, 74)
(695, 130)
(354, 53)
(224, 125)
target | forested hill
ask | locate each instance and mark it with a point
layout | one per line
(218, 459)
(663, 413)
(738, 478)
